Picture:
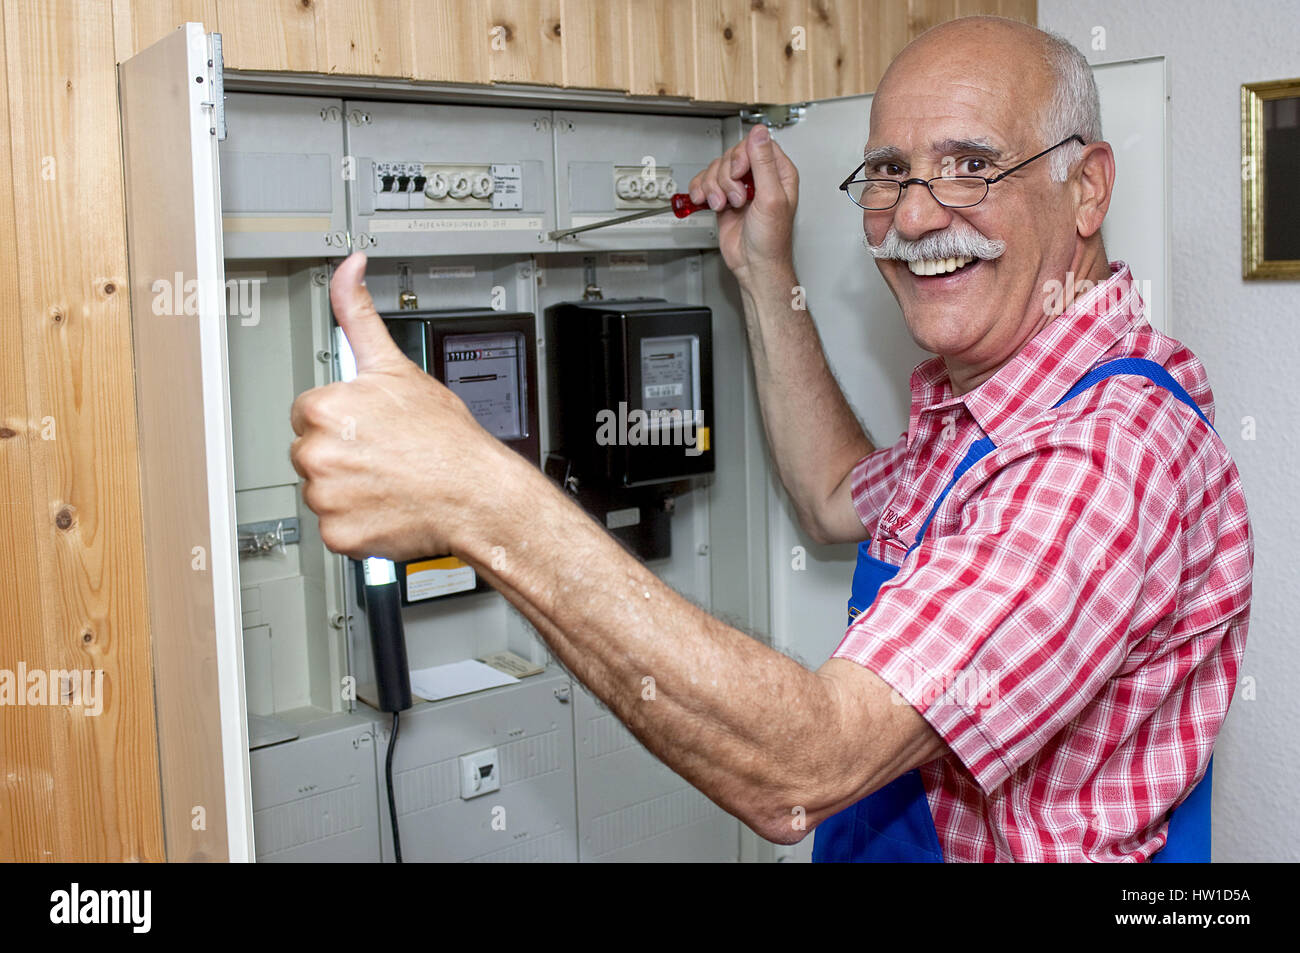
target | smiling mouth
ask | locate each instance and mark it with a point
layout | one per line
(939, 266)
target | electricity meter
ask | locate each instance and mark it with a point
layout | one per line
(489, 360)
(632, 411)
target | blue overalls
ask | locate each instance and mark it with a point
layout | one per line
(894, 824)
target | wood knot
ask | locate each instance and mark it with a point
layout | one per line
(556, 28)
(6, 433)
(87, 636)
(727, 34)
(789, 51)
(305, 4)
(64, 519)
(56, 314)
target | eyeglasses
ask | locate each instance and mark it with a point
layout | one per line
(950, 191)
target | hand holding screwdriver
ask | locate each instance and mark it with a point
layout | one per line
(755, 223)
(679, 204)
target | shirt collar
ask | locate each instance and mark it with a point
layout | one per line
(1045, 368)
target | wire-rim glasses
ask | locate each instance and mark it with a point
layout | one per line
(950, 191)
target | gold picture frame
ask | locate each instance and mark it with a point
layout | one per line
(1270, 221)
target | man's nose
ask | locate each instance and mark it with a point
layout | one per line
(919, 212)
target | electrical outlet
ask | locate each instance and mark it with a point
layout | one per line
(480, 773)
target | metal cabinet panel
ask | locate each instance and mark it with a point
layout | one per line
(410, 160)
(282, 175)
(600, 155)
(632, 807)
(316, 799)
(531, 817)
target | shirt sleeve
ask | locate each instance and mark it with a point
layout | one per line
(873, 481)
(1001, 631)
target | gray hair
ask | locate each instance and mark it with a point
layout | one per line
(1074, 108)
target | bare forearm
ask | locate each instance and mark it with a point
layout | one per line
(814, 436)
(730, 715)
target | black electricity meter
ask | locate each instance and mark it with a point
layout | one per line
(631, 410)
(489, 360)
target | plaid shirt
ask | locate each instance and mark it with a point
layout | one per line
(1073, 622)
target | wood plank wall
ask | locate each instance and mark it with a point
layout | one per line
(72, 593)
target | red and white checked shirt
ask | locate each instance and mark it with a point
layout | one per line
(1073, 623)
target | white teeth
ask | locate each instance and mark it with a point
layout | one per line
(938, 266)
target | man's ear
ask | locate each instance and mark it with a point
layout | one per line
(1094, 180)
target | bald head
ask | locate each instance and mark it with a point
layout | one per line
(985, 98)
(1036, 79)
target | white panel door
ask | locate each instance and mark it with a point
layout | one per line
(868, 345)
(178, 316)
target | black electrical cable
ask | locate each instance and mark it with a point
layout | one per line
(392, 801)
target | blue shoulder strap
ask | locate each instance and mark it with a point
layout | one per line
(1188, 839)
(1141, 367)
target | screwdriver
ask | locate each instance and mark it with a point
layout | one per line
(680, 205)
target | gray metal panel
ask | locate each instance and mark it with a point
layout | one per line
(532, 729)
(282, 177)
(317, 799)
(588, 146)
(465, 135)
(632, 807)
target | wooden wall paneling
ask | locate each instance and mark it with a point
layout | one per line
(835, 48)
(526, 42)
(923, 14)
(28, 829)
(661, 48)
(268, 34)
(1024, 10)
(782, 61)
(446, 40)
(359, 37)
(884, 32)
(139, 23)
(594, 42)
(76, 351)
(724, 51)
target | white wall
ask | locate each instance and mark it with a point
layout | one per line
(1248, 336)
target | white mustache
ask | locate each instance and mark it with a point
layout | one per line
(949, 243)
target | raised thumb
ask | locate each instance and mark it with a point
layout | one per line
(762, 161)
(372, 345)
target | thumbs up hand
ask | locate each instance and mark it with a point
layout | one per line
(391, 461)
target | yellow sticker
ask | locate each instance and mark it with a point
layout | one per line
(445, 562)
(702, 439)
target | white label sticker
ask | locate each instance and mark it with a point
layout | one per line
(456, 225)
(507, 186)
(628, 261)
(451, 271)
(428, 583)
(666, 220)
(628, 517)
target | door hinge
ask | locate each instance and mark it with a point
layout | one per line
(774, 116)
(216, 88)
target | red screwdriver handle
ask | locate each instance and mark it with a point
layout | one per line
(683, 206)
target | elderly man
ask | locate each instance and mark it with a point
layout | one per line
(1077, 542)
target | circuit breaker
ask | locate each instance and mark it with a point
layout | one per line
(436, 180)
